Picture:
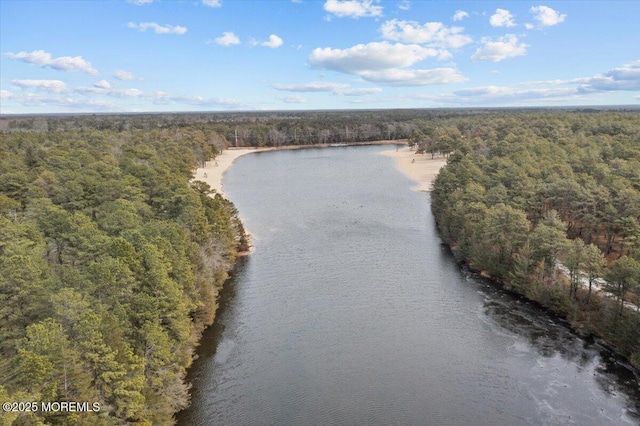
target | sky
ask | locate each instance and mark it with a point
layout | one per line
(238, 55)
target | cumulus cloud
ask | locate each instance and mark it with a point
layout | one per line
(460, 15)
(125, 75)
(5, 94)
(500, 49)
(42, 58)
(226, 39)
(274, 42)
(371, 56)
(157, 28)
(212, 3)
(102, 84)
(385, 63)
(353, 8)
(411, 77)
(623, 78)
(545, 16)
(140, 2)
(502, 18)
(293, 99)
(340, 89)
(54, 86)
(432, 33)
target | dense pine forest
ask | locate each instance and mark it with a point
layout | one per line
(111, 259)
(526, 196)
(110, 265)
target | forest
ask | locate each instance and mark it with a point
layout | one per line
(549, 206)
(111, 258)
(110, 265)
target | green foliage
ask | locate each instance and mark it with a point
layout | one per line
(530, 190)
(108, 261)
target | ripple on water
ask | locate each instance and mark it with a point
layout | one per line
(349, 311)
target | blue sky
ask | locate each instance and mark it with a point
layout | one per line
(218, 55)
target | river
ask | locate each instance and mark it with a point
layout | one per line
(350, 311)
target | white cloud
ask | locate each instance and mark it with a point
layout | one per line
(157, 28)
(227, 39)
(545, 16)
(274, 42)
(102, 84)
(624, 78)
(353, 8)
(371, 56)
(293, 99)
(164, 98)
(5, 94)
(502, 18)
(500, 49)
(385, 63)
(125, 75)
(315, 86)
(140, 2)
(503, 95)
(460, 15)
(114, 93)
(83, 104)
(212, 3)
(340, 89)
(431, 33)
(54, 86)
(404, 5)
(411, 77)
(360, 92)
(42, 58)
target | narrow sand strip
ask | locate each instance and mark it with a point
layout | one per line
(214, 170)
(419, 167)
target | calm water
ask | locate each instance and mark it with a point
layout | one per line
(350, 312)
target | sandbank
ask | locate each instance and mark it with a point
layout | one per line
(214, 170)
(419, 167)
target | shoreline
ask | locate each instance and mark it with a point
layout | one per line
(214, 169)
(418, 167)
(421, 168)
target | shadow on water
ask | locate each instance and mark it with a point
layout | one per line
(552, 336)
(212, 336)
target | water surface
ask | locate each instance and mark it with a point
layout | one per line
(351, 312)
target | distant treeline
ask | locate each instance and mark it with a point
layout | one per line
(110, 265)
(525, 192)
(258, 129)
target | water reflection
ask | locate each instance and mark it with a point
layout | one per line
(551, 337)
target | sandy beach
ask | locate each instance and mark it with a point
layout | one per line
(419, 167)
(214, 170)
